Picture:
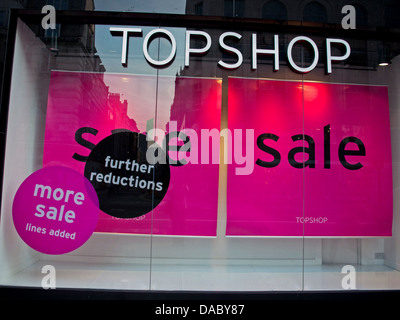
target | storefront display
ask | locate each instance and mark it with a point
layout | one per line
(158, 152)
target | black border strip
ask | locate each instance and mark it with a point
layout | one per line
(31, 293)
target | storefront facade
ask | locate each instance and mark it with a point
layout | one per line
(230, 146)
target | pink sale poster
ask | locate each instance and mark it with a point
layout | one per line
(322, 160)
(100, 125)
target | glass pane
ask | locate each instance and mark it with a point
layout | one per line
(166, 6)
(222, 234)
(348, 196)
(83, 107)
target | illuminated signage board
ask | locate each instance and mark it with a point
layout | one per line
(127, 32)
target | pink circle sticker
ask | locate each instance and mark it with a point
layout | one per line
(55, 210)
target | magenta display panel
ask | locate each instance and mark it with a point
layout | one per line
(85, 108)
(322, 156)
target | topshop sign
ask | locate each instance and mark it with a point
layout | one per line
(348, 22)
(256, 51)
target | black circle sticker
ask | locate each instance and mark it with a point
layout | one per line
(127, 185)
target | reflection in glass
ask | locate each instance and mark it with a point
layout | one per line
(274, 10)
(315, 12)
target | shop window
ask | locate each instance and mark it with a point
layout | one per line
(361, 15)
(310, 212)
(234, 8)
(392, 12)
(198, 8)
(58, 5)
(274, 10)
(315, 12)
(3, 20)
